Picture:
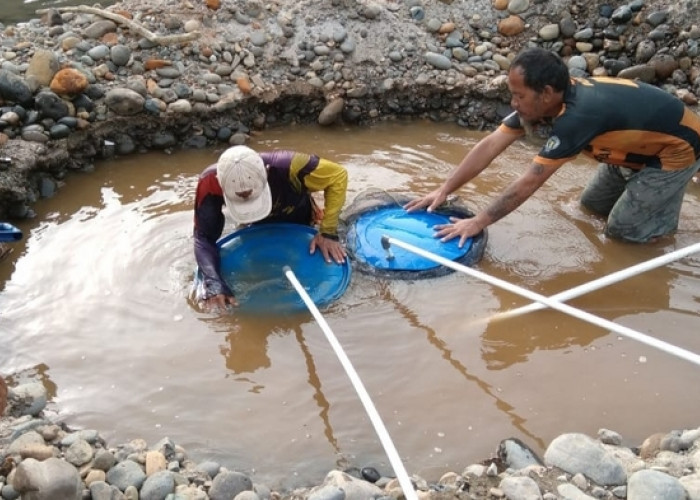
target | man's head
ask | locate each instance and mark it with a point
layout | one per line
(537, 80)
(243, 178)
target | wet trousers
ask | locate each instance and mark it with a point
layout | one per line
(640, 204)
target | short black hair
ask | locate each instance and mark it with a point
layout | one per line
(541, 67)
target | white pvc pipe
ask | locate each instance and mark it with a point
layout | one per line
(384, 437)
(572, 311)
(604, 281)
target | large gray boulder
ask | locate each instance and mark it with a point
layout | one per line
(48, 480)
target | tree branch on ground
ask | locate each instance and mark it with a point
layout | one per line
(132, 25)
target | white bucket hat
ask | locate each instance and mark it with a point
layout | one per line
(243, 178)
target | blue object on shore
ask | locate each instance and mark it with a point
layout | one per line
(252, 262)
(8, 232)
(416, 228)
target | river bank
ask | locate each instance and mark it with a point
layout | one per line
(257, 66)
(42, 459)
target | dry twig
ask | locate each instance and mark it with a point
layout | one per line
(132, 25)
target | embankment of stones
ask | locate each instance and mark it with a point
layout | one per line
(256, 65)
(39, 168)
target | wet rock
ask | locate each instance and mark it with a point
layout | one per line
(47, 480)
(51, 105)
(657, 18)
(518, 6)
(370, 474)
(641, 72)
(511, 26)
(522, 488)
(69, 82)
(438, 60)
(14, 89)
(647, 484)
(119, 54)
(228, 484)
(3, 396)
(332, 112)
(125, 474)
(103, 460)
(645, 51)
(567, 27)
(124, 101)
(328, 493)
(42, 68)
(158, 486)
(664, 65)
(622, 14)
(549, 32)
(79, 453)
(578, 453)
(210, 468)
(155, 462)
(692, 485)
(100, 28)
(571, 492)
(607, 436)
(516, 454)
(30, 398)
(100, 490)
(354, 488)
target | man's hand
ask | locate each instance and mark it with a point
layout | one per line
(219, 303)
(431, 201)
(464, 228)
(330, 248)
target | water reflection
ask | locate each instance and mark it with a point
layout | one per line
(512, 340)
(245, 354)
(517, 420)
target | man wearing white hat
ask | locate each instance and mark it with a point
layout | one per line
(272, 186)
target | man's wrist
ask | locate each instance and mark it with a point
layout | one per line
(330, 236)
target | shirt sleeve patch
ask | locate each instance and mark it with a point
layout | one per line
(552, 143)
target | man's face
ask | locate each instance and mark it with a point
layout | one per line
(530, 105)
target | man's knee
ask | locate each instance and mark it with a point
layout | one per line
(624, 234)
(595, 204)
(640, 231)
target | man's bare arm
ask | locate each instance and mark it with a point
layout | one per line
(473, 163)
(519, 191)
(512, 198)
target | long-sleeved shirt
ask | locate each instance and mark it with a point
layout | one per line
(292, 178)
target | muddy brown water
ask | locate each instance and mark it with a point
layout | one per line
(94, 302)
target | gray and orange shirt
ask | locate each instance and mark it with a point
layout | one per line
(620, 122)
(292, 178)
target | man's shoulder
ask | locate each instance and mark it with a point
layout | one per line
(208, 170)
